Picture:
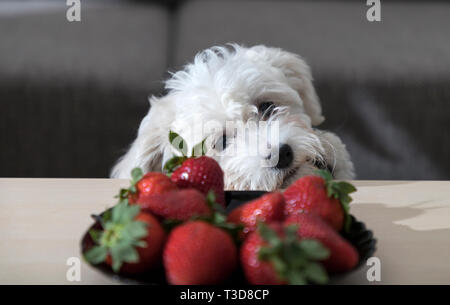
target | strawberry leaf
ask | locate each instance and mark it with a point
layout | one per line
(199, 149)
(316, 273)
(181, 145)
(313, 249)
(173, 163)
(136, 175)
(123, 193)
(120, 237)
(122, 213)
(178, 143)
(211, 201)
(296, 278)
(339, 190)
(96, 254)
(269, 235)
(345, 187)
(116, 260)
(140, 244)
(295, 261)
(135, 230)
(129, 254)
(123, 253)
(219, 219)
(279, 265)
(95, 234)
(326, 175)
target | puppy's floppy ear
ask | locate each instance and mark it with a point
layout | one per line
(298, 75)
(147, 150)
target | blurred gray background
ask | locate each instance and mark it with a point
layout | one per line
(72, 94)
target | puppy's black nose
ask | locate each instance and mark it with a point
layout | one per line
(285, 156)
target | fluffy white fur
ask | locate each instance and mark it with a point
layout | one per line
(227, 84)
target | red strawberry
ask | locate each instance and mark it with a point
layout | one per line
(151, 183)
(343, 256)
(274, 255)
(199, 253)
(131, 241)
(322, 196)
(177, 205)
(202, 173)
(267, 208)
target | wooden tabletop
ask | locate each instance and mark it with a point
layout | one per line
(42, 221)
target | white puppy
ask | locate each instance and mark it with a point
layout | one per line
(234, 86)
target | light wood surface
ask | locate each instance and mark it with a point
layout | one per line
(42, 221)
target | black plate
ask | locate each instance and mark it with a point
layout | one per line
(359, 236)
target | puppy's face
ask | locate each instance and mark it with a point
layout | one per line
(254, 106)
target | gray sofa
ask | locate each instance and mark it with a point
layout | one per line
(72, 94)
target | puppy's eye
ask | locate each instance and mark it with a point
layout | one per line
(221, 143)
(266, 108)
(321, 165)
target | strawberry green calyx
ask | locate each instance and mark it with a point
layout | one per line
(136, 175)
(339, 190)
(180, 145)
(218, 218)
(173, 163)
(178, 142)
(211, 201)
(295, 261)
(119, 238)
